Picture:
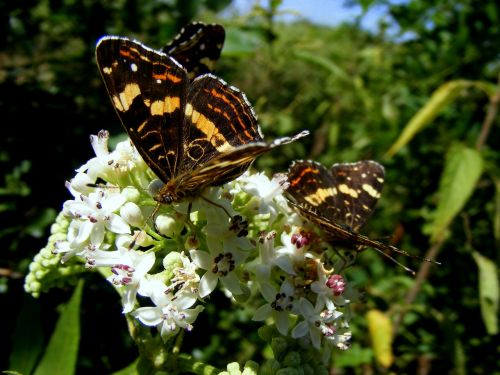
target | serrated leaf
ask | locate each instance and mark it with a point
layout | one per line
(380, 328)
(462, 170)
(61, 352)
(489, 291)
(440, 98)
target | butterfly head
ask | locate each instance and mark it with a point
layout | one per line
(168, 194)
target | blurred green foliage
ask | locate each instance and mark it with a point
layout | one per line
(356, 91)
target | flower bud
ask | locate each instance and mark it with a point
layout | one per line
(131, 194)
(132, 214)
(169, 226)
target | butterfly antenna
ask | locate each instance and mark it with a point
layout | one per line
(150, 217)
(216, 205)
(395, 260)
(396, 250)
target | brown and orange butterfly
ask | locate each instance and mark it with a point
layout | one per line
(340, 200)
(191, 133)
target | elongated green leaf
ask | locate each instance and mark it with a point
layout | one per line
(62, 350)
(496, 218)
(380, 328)
(489, 291)
(28, 337)
(327, 64)
(462, 170)
(443, 96)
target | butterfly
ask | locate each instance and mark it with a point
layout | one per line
(191, 133)
(340, 200)
(197, 47)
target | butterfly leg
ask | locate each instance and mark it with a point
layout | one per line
(238, 225)
(189, 223)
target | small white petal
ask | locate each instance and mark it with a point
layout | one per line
(262, 313)
(150, 316)
(184, 301)
(231, 283)
(117, 225)
(208, 283)
(201, 258)
(300, 329)
(315, 337)
(282, 322)
(129, 298)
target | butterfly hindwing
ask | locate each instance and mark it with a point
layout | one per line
(148, 90)
(219, 119)
(358, 190)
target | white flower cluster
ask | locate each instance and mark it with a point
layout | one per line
(164, 263)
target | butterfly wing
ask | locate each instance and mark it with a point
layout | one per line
(197, 47)
(231, 164)
(218, 120)
(344, 195)
(311, 186)
(148, 90)
(358, 188)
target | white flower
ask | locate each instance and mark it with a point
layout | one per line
(288, 255)
(186, 278)
(170, 312)
(99, 166)
(266, 260)
(130, 270)
(269, 193)
(110, 165)
(280, 305)
(317, 322)
(219, 265)
(225, 255)
(80, 184)
(326, 295)
(75, 245)
(97, 213)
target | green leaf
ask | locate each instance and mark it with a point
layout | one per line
(496, 218)
(240, 43)
(443, 96)
(489, 291)
(62, 350)
(28, 337)
(380, 328)
(462, 169)
(327, 64)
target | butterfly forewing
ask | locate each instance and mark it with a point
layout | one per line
(229, 165)
(197, 47)
(148, 90)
